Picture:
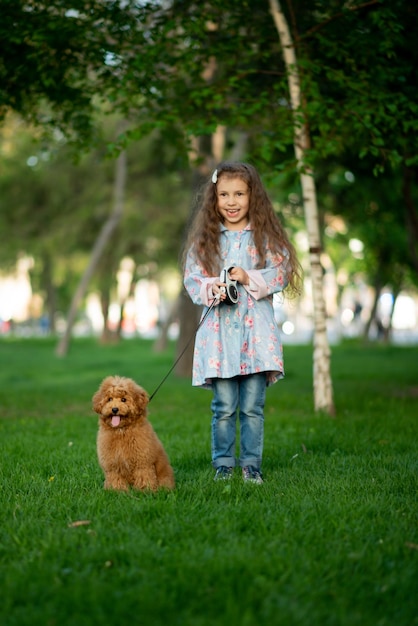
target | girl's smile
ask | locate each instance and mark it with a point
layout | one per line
(233, 202)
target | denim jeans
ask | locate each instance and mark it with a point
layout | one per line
(249, 394)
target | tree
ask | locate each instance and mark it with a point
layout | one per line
(104, 236)
(323, 395)
(54, 209)
(372, 211)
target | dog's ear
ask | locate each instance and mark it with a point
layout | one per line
(100, 397)
(98, 401)
(141, 398)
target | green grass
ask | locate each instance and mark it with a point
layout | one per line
(331, 538)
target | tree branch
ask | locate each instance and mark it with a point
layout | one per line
(337, 16)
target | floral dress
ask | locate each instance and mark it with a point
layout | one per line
(242, 338)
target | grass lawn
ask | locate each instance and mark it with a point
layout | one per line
(331, 538)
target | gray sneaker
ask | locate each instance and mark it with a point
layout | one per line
(223, 473)
(251, 474)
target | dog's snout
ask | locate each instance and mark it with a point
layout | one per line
(115, 409)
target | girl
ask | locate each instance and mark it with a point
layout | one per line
(238, 351)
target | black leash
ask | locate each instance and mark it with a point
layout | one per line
(186, 346)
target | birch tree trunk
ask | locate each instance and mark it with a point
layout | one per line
(98, 248)
(323, 393)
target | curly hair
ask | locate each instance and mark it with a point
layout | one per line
(203, 234)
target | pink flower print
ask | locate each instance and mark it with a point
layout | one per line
(270, 347)
(214, 363)
(248, 321)
(244, 347)
(243, 369)
(252, 253)
(218, 346)
(279, 280)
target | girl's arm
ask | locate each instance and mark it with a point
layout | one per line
(201, 288)
(273, 278)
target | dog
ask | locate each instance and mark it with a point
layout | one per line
(128, 449)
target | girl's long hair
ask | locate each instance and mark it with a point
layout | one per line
(203, 234)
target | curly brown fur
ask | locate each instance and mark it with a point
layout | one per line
(128, 448)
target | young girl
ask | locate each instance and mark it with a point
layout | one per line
(238, 351)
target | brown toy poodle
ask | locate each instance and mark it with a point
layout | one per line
(128, 448)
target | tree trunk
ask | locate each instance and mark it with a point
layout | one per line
(189, 313)
(104, 236)
(123, 302)
(323, 392)
(411, 215)
(161, 342)
(373, 312)
(107, 336)
(48, 285)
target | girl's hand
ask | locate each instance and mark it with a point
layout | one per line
(218, 290)
(240, 275)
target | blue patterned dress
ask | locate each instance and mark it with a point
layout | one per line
(243, 338)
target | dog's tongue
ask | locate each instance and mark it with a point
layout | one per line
(115, 420)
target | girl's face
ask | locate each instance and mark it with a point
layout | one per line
(233, 202)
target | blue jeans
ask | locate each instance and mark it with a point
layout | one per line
(249, 394)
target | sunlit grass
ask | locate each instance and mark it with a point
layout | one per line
(331, 537)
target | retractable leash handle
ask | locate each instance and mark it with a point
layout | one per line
(230, 290)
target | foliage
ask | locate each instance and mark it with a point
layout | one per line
(186, 66)
(205, 65)
(54, 208)
(364, 81)
(330, 538)
(56, 61)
